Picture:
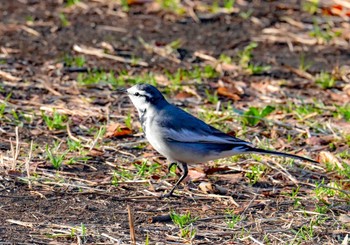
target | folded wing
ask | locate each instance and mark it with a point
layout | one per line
(186, 128)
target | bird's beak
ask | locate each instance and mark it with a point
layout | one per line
(122, 90)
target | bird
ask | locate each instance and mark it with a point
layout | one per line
(183, 138)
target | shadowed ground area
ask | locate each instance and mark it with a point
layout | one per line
(75, 168)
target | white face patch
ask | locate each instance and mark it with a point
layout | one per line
(138, 99)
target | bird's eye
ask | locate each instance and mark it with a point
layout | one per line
(137, 94)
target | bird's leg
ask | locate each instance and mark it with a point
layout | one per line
(171, 165)
(184, 170)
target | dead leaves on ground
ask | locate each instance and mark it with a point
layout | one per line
(117, 130)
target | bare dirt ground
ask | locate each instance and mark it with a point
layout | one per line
(74, 164)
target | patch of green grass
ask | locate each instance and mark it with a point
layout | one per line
(174, 6)
(120, 80)
(255, 173)
(310, 6)
(229, 4)
(322, 209)
(245, 57)
(74, 61)
(3, 105)
(125, 5)
(254, 115)
(176, 44)
(123, 174)
(74, 145)
(246, 54)
(56, 159)
(83, 232)
(197, 74)
(63, 19)
(215, 119)
(212, 98)
(128, 121)
(323, 34)
(300, 110)
(304, 65)
(71, 2)
(54, 122)
(144, 169)
(342, 169)
(294, 196)
(147, 239)
(225, 59)
(215, 7)
(233, 220)
(343, 111)
(184, 222)
(305, 232)
(325, 80)
(332, 189)
(246, 14)
(97, 77)
(257, 69)
(2, 109)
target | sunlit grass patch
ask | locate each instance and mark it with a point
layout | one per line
(185, 224)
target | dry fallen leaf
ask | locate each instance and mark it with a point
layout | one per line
(223, 91)
(195, 175)
(206, 187)
(344, 218)
(183, 96)
(320, 140)
(117, 130)
(230, 178)
(328, 157)
(95, 153)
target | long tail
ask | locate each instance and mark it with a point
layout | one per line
(282, 154)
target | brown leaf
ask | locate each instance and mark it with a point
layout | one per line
(206, 187)
(320, 140)
(138, 2)
(231, 178)
(117, 130)
(183, 96)
(212, 170)
(95, 153)
(195, 175)
(328, 157)
(344, 218)
(223, 91)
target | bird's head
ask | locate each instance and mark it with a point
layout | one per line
(144, 96)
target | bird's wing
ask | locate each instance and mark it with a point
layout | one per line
(178, 125)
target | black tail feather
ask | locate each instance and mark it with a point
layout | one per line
(282, 154)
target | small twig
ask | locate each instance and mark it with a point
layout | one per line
(110, 237)
(101, 54)
(27, 164)
(15, 150)
(96, 139)
(8, 76)
(70, 135)
(18, 222)
(165, 52)
(131, 225)
(30, 31)
(283, 171)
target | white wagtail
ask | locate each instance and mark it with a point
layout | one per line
(183, 138)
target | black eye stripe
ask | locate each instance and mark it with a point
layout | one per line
(142, 95)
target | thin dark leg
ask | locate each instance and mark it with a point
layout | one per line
(171, 165)
(184, 170)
